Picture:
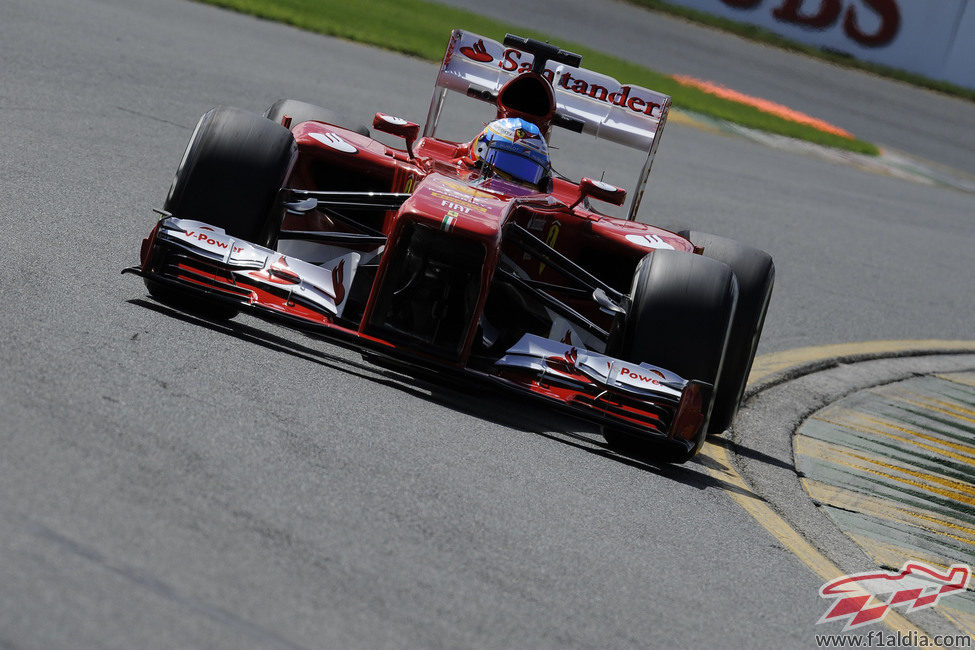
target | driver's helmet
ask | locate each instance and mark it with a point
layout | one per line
(515, 148)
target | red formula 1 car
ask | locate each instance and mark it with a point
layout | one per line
(473, 257)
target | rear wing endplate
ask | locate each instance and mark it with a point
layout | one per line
(626, 114)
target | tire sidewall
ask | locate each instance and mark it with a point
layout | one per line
(755, 273)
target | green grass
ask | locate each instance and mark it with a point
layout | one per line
(419, 28)
(763, 35)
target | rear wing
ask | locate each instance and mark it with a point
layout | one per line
(586, 101)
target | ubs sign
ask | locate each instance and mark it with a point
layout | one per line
(823, 14)
(933, 38)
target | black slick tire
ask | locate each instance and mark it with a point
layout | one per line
(229, 177)
(679, 318)
(755, 272)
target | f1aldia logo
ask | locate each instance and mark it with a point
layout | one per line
(865, 598)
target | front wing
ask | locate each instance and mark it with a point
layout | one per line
(641, 399)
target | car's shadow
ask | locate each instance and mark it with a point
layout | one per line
(747, 452)
(488, 403)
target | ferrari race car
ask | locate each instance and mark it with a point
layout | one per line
(473, 258)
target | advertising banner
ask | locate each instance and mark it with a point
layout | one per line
(935, 39)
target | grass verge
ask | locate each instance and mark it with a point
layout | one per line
(420, 28)
(762, 35)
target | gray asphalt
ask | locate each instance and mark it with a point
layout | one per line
(169, 482)
(889, 113)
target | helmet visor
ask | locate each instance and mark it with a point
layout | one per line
(520, 164)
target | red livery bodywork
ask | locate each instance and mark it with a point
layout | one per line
(419, 254)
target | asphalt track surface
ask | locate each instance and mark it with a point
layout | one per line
(171, 482)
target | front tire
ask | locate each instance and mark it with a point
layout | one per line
(680, 317)
(231, 172)
(229, 177)
(755, 272)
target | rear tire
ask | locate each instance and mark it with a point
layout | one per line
(680, 317)
(305, 112)
(755, 272)
(229, 177)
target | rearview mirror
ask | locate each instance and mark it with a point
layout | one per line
(600, 191)
(397, 126)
